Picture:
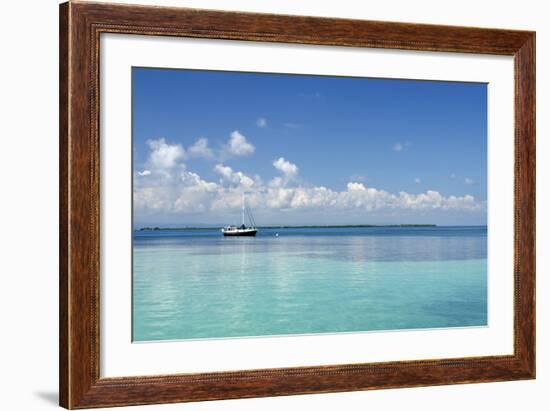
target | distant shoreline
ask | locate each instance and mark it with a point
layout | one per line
(290, 226)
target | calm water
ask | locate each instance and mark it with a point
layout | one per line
(198, 284)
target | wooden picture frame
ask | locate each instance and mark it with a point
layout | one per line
(80, 27)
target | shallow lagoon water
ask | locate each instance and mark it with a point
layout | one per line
(198, 284)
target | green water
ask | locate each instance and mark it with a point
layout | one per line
(202, 285)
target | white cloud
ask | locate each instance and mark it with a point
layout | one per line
(398, 147)
(277, 182)
(173, 190)
(238, 145)
(434, 200)
(288, 169)
(225, 171)
(468, 181)
(193, 194)
(234, 177)
(261, 122)
(183, 192)
(417, 180)
(356, 187)
(453, 175)
(163, 155)
(200, 149)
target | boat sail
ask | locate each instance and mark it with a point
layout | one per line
(242, 230)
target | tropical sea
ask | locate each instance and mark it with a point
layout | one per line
(199, 284)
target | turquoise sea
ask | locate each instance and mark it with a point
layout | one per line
(198, 284)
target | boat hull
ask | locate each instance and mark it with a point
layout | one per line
(240, 233)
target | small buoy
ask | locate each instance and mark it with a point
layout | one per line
(276, 234)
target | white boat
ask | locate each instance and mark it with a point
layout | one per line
(242, 230)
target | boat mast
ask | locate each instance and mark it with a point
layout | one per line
(243, 208)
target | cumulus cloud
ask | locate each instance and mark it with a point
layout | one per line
(468, 181)
(359, 197)
(238, 145)
(288, 169)
(417, 180)
(356, 186)
(225, 171)
(434, 200)
(172, 189)
(398, 147)
(163, 155)
(261, 122)
(184, 192)
(228, 175)
(193, 194)
(200, 149)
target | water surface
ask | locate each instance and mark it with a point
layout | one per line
(199, 284)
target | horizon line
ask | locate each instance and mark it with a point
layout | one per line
(215, 227)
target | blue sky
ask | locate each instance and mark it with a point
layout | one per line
(202, 137)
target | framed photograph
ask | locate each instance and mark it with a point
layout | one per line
(258, 205)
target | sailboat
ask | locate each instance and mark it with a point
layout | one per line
(242, 230)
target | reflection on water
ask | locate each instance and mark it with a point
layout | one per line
(202, 285)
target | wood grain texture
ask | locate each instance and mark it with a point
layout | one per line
(525, 203)
(80, 27)
(63, 204)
